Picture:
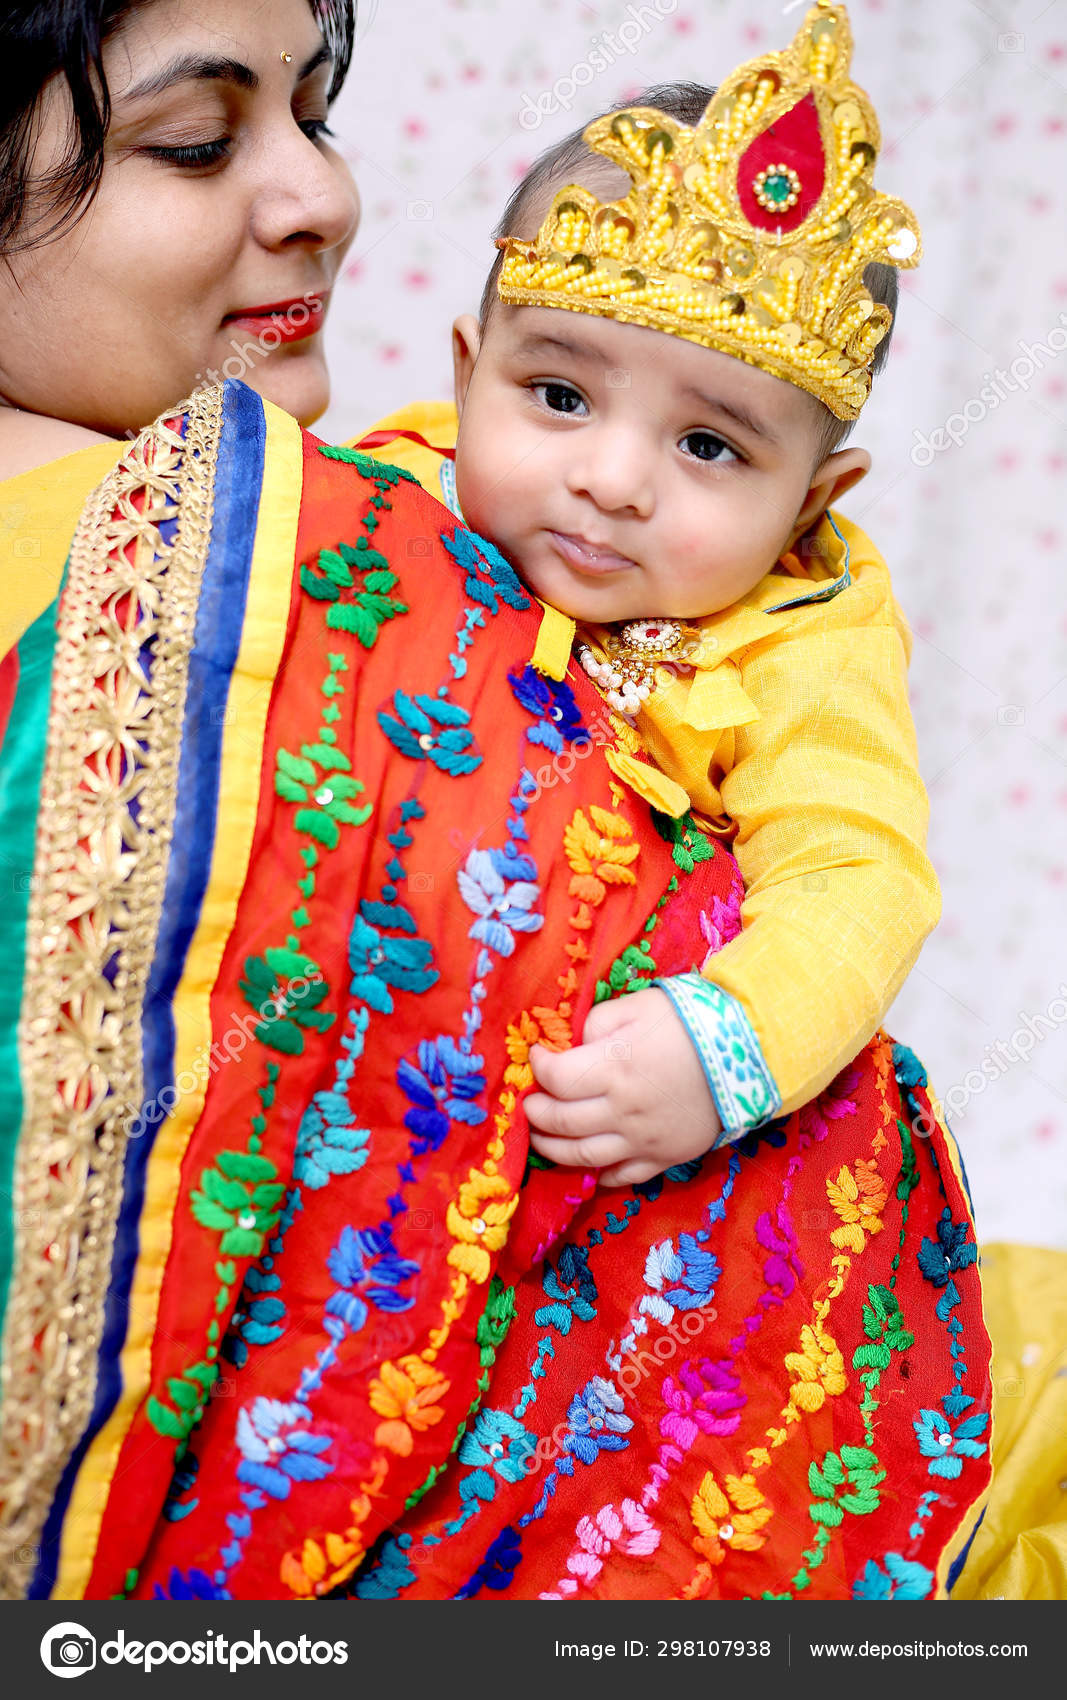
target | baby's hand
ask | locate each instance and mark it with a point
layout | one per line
(630, 1100)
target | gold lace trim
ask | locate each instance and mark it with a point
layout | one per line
(114, 736)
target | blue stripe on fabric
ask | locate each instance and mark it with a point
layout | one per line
(835, 585)
(219, 627)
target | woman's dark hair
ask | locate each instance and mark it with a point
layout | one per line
(567, 159)
(40, 38)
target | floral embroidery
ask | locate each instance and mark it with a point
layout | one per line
(239, 1198)
(900, 1580)
(859, 1200)
(285, 989)
(478, 1219)
(732, 1519)
(945, 1443)
(405, 1395)
(442, 1089)
(502, 908)
(597, 1421)
(559, 720)
(498, 1443)
(600, 850)
(572, 1290)
(278, 1447)
(430, 727)
(380, 961)
(368, 1270)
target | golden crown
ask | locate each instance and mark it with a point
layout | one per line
(749, 234)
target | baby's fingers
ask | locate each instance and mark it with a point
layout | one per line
(628, 1174)
(578, 1118)
(592, 1152)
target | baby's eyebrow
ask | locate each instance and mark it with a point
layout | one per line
(540, 343)
(738, 412)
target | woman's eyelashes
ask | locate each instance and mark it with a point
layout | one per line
(202, 155)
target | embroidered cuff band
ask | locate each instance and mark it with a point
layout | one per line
(740, 1082)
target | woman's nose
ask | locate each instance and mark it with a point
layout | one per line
(307, 196)
(614, 469)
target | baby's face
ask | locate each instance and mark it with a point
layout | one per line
(625, 472)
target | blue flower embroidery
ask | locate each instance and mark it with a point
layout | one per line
(500, 1443)
(277, 1447)
(431, 729)
(597, 1422)
(951, 1252)
(945, 1445)
(559, 718)
(498, 1567)
(572, 1289)
(684, 1279)
(369, 1271)
(379, 961)
(503, 907)
(442, 1089)
(901, 1580)
(326, 1143)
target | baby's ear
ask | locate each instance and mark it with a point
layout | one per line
(836, 474)
(466, 341)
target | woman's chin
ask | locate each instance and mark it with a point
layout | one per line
(299, 386)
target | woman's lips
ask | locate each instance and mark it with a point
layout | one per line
(592, 558)
(289, 321)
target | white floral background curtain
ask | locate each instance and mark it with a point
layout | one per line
(450, 100)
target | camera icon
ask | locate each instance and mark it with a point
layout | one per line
(815, 1219)
(221, 715)
(419, 547)
(617, 1050)
(26, 548)
(1012, 1389)
(25, 881)
(420, 882)
(420, 209)
(1011, 42)
(224, 1388)
(68, 1649)
(617, 378)
(421, 1219)
(814, 882)
(1010, 714)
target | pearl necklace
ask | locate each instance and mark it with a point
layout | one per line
(628, 678)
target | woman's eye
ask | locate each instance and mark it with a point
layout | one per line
(559, 398)
(704, 445)
(198, 154)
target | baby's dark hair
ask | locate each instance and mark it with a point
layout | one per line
(571, 159)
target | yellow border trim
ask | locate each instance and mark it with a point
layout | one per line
(248, 701)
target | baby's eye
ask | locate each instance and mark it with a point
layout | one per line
(559, 398)
(705, 445)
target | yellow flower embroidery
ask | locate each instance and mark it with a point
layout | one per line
(818, 1369)
(729, 1520)
(859, 1201)
(478, 1220)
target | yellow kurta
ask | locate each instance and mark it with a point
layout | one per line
(792, 738)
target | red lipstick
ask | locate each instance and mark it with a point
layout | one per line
(288, 321)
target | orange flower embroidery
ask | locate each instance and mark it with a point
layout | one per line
(478, 1220)
(405, 1395)
(859, 1201)
(599, 853)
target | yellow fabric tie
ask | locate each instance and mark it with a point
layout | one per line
(662, 793)
(552, 651)
(716, 699)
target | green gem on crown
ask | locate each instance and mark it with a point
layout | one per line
(777, 187)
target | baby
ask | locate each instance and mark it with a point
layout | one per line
(671, 499)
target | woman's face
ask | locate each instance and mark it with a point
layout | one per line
(220, 224)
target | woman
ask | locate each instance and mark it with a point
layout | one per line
(304, 857)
